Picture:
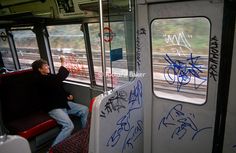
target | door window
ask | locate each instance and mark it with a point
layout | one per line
(180, 52)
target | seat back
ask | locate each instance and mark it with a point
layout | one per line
(17, 95)
(14, 144)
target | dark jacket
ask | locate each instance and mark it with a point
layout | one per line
(50, 89)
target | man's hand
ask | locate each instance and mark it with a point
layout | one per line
(62, 59)
(70, 97)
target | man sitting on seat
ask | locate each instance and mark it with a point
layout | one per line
(55, 100)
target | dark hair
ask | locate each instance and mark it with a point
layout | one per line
(38, 64)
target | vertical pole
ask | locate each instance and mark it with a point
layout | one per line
(44, 46)
(13, 50)
(102, 48)
(85, 31)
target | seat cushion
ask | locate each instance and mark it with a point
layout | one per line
(32, 125)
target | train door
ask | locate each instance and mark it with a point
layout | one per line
(229, 145)
(185, 40)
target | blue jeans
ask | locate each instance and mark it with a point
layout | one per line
(62, 118)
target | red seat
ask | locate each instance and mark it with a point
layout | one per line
(32, 125)
(91, 104)
(21, 112)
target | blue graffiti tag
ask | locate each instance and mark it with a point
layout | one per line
(234, 146)
(133, 134)
(182, 122)
(181, 72)
(123, 124)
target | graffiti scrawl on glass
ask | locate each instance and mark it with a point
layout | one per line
(115, 103)
(179, 42)
(181, 122)
(181, 72)
(124, 128)
(75, 67)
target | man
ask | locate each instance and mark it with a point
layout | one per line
(55, 100)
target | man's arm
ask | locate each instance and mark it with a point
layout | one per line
(62, 72)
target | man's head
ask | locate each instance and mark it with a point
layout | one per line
(41, 66)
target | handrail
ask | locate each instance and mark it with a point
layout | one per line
(102, 47)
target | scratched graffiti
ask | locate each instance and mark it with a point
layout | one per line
(115, 103)
(182, 123)
(74, 66)
(141, 31)
(114, 79)
(181, 72)
(214, 57)
(124, 128)
(178, 42)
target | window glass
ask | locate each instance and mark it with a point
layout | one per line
(180, 49)
(115, 48)
(68, 41)
(26, 46)
(7, 60)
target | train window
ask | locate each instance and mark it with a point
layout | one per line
(26, 46)
(6, 56)
(180, 51)
(68, 41)
(114, 38)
